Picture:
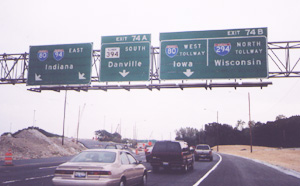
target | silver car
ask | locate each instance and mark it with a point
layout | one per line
(203, 151)
(101, 167)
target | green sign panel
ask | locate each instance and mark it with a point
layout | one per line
(60, 64)
(221, 54)
(125, 58)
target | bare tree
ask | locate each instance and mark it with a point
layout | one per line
(240, 125)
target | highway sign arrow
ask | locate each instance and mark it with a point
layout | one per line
(81, 75)
(188, 72)
(124, 73)
(38, 77)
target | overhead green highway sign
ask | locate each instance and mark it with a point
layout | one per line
(60, 64)
(125, 58)
(220, 54)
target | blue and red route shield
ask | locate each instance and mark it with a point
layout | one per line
(58, 54)
(171, 50)
(42, 55)
(222, 49)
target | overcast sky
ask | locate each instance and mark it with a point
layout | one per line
(156, 114)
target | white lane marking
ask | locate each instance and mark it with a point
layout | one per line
(26, 179)
(11, 181)
(48, 167)
(41, 177)
(212, 169)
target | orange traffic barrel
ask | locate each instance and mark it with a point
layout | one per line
(8, 158)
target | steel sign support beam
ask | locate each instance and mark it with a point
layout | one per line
(284, 60)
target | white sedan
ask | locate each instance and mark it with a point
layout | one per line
(101, 167)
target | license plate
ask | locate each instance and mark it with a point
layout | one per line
(165, 163)
(80, 174)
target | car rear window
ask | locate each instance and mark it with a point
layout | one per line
(203, 147)
(95, 156)
(111, 147)
(166, 147)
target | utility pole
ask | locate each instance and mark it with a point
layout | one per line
(218, 131)
(79, 118)
(104, 122)
(65, 105)
(33, 118)
(250, 124)
(78, 125)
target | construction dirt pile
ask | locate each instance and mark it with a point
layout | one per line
(32, 144)
(287, 158)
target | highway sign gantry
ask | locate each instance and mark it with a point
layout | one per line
(220, 54)
(60, 64)
(125, 58)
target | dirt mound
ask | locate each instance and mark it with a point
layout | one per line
(31, 144)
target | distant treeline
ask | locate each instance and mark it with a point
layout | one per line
(103, 135)
(284, 132)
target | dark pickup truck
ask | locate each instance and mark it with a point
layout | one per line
(171, 154)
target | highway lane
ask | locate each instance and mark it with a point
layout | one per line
(175, 177)
(30, 172)
(33, 172)
(231, 171)
(236, 171)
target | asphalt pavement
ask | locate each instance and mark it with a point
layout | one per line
(224, 170)
(236, 171)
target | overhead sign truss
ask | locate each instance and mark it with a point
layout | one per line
(283, 60)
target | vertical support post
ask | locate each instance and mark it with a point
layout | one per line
(151, 75)
(250, 124)
(33, 118)
(78, 126)
(65, 106)
(218, 130)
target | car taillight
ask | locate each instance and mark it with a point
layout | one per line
(99, 173)
(63, 172)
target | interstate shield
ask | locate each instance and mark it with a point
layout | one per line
(171, 50)
(58, 54)
(42, 55)
(222, 49)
